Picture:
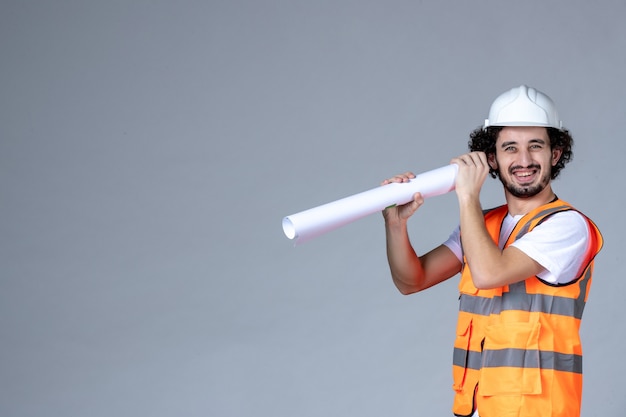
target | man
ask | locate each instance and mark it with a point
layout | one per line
(525, 266)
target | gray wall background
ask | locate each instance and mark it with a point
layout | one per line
(149, 150)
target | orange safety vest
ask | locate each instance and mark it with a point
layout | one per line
(517, 351)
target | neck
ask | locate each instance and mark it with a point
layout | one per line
(519, 205)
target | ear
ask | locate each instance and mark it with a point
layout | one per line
(491, 159)
(556, 155)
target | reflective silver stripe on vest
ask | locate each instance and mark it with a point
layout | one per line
(466, 359)
(518, 299)
(518, 358)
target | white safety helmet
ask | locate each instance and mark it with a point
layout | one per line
(523, 106)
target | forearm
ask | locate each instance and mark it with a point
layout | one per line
(483, 256)
(406, 269)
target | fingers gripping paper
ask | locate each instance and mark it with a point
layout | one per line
(311, 223)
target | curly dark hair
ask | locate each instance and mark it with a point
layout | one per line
(484, 140)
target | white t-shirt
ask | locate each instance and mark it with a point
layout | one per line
(558, 244)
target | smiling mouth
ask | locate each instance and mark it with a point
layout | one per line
(525, 175)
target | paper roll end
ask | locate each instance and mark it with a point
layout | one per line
(288, 228)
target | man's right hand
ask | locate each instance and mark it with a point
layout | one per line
(401, 213)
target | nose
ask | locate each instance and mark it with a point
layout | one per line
(524, 157)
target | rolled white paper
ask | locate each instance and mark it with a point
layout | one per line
(313, 222)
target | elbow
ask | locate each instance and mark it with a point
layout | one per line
(407, 290)
(481, 286)
(404, 288)
(483, 282)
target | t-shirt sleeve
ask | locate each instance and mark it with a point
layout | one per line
(558, 244)
(454, 243)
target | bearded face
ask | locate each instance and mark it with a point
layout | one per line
(524, 160)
